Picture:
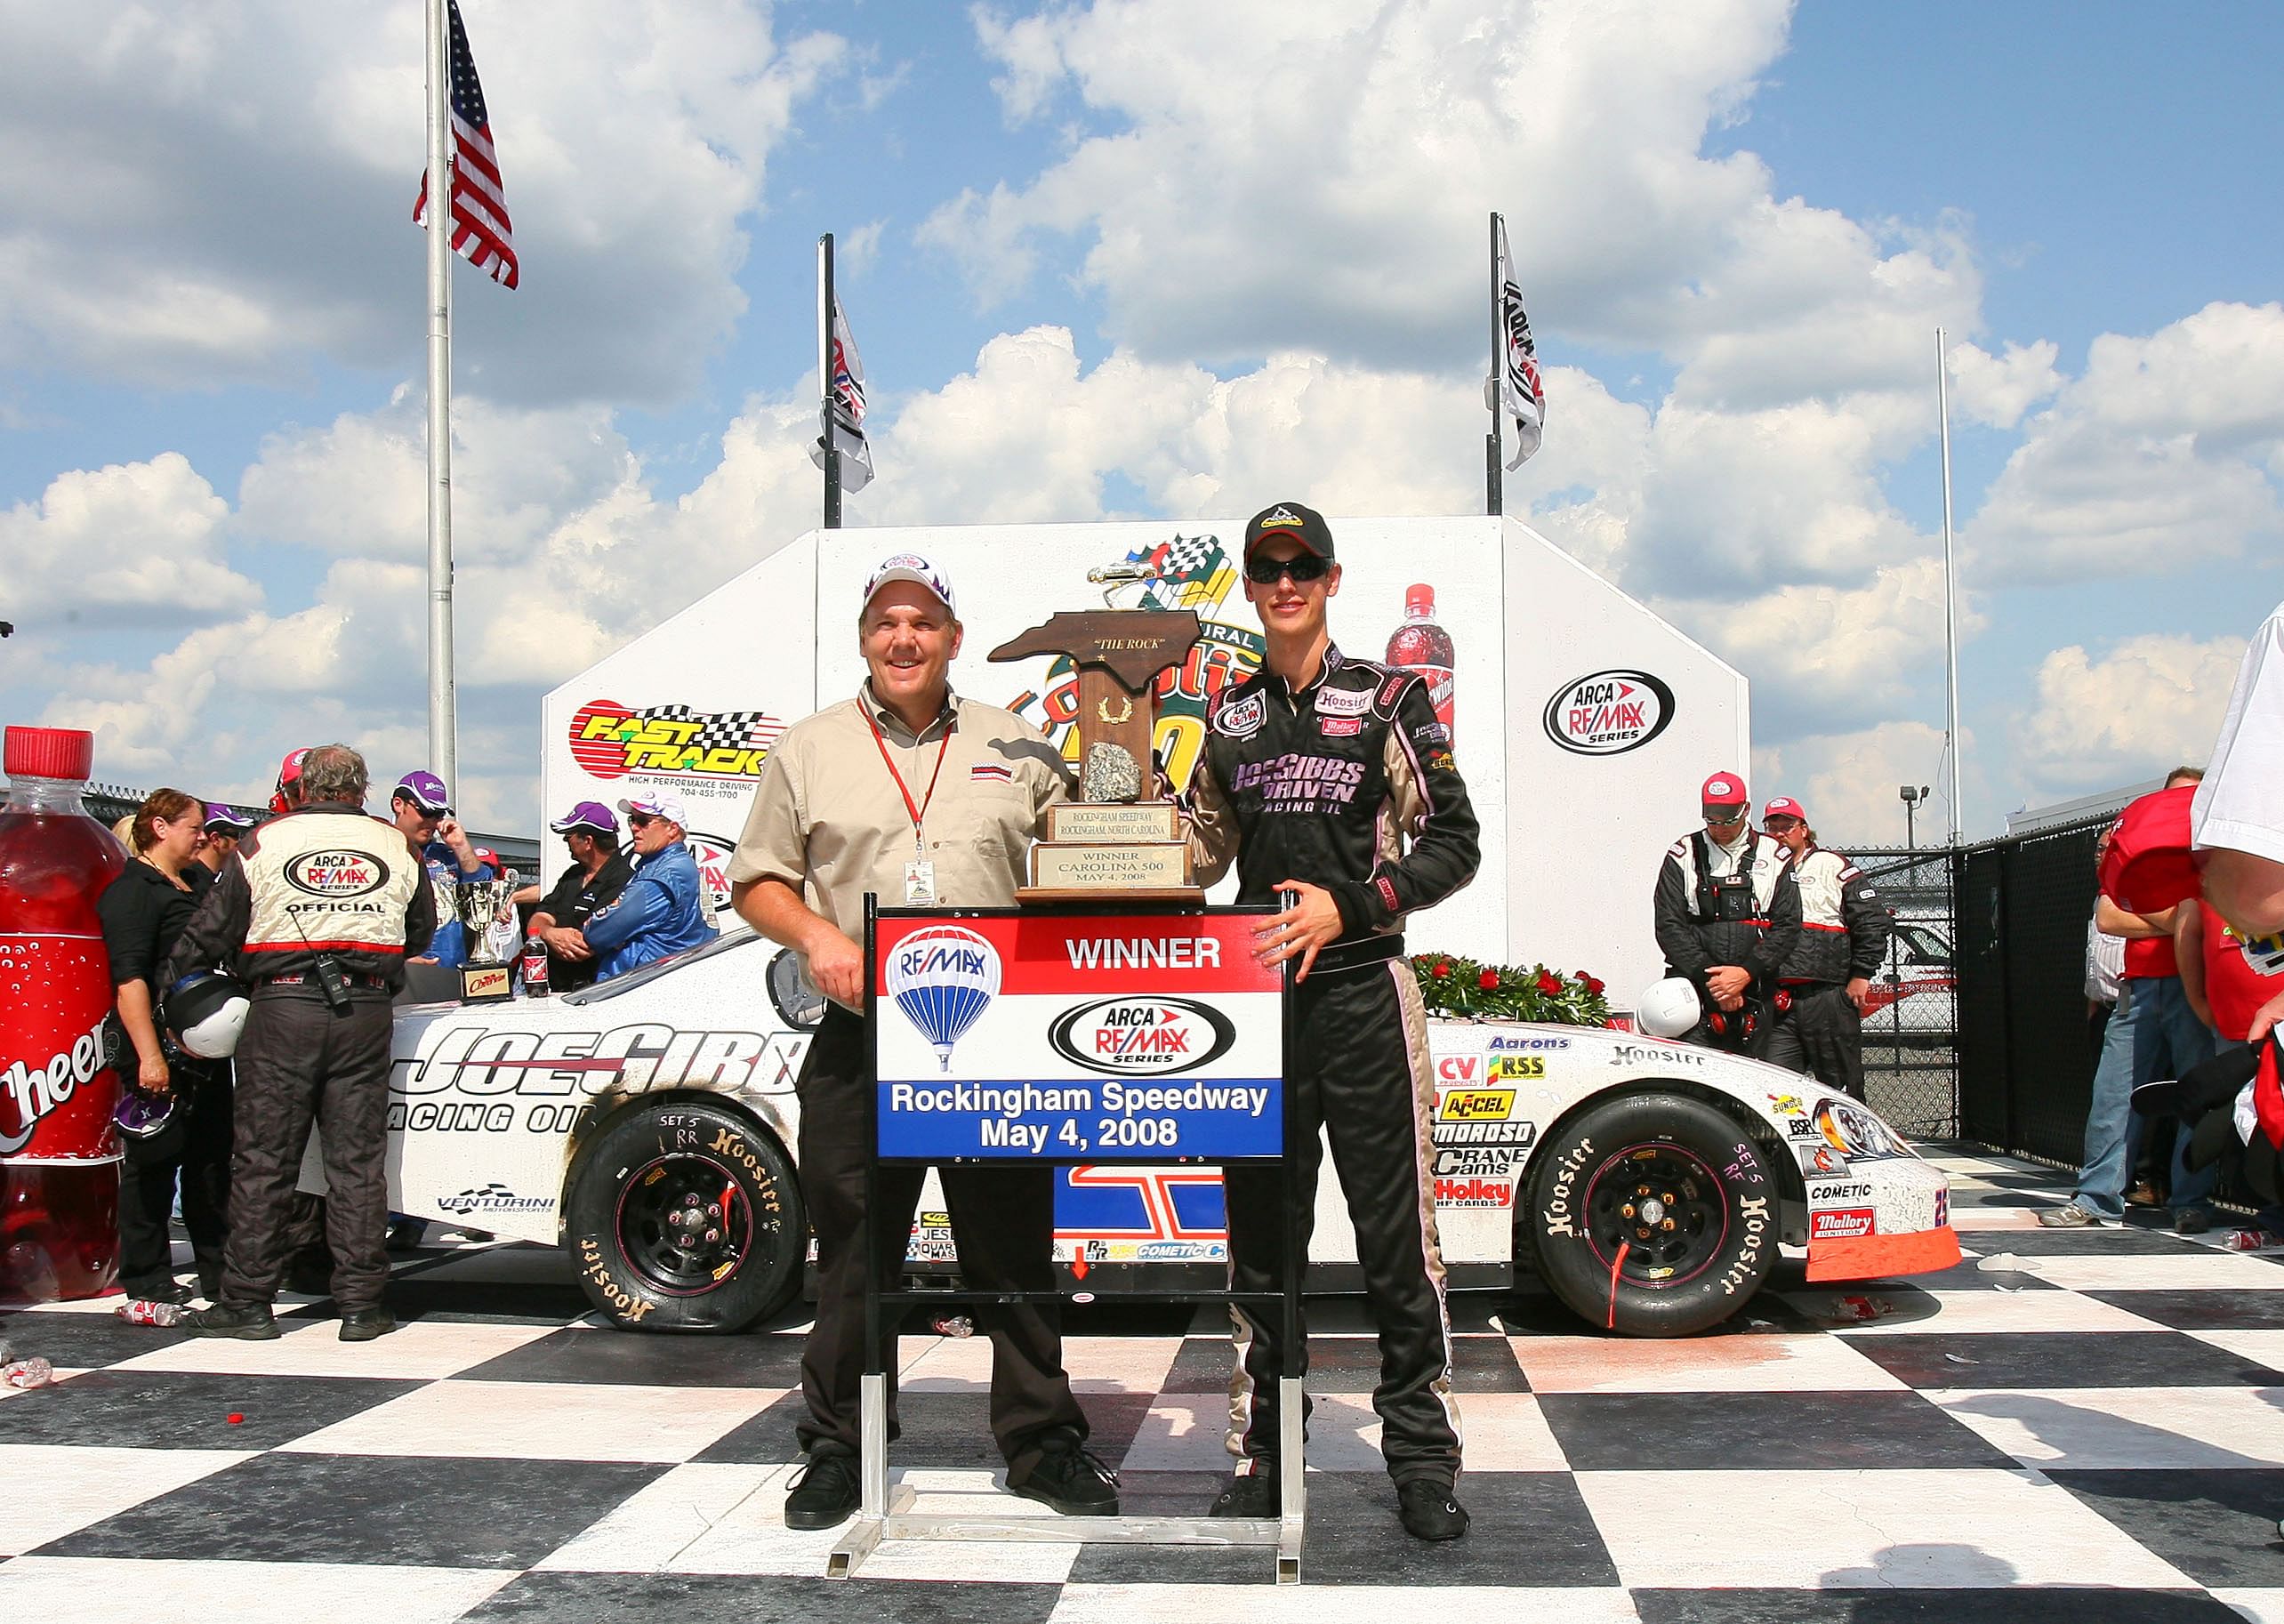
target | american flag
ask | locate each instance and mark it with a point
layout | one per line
(482, 233)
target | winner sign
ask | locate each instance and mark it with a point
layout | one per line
(1077, 1037)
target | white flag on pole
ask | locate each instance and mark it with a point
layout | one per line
(847, 409)
(1521, 396)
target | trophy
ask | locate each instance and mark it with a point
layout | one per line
(486, 912)
(1122, 836)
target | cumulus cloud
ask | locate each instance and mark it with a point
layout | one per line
(1821, 657)
(1311, 177)
(1997, 389)
(2149, 704)
(225, 192)
(130, 544)
(1847, 780)
(2166, 450)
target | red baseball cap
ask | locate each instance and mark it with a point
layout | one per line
(1724, 790)
(1783, 806)
(289, 770)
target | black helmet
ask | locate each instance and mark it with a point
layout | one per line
(206, 1010)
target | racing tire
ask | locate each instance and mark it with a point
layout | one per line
(1652, 1214)
(685, 1215)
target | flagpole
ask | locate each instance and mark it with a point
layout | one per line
(1951, 604)
(824, 376)
(442, 732)
(1494, 481)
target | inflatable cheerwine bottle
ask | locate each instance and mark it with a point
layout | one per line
(1420, 645)
(59, 1151)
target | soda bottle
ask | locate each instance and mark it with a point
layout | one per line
(141, 1312)
(58, 1149)
(534, 967)
(1420, 645)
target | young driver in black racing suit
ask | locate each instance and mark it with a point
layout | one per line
(1315, 771)
(1728, 916)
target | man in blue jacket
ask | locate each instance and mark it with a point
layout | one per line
(659, 912)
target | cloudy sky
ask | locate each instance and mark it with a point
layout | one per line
(1151, 258)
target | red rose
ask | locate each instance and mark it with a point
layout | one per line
(1594, 984)
(1488, 981)
(1443, 969)
(1549, 984)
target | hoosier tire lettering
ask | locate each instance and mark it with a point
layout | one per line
(1650, 1215)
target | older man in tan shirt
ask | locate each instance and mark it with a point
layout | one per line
(924, 798)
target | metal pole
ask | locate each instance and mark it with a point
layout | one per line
(1494, 478)
(1951, 605)
(443, 733)
(824, 372)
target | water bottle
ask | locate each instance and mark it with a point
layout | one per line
(58, 1145)
(34, 1372)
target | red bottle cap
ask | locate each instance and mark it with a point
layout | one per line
(49, 753)
(1420, 599)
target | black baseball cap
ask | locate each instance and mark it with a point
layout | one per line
(1305, 525)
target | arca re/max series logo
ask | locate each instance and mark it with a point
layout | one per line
(337, 874)
(1609, 713)
(609, 740)
(1150, 1037)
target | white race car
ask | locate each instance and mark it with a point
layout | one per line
(649, 1124)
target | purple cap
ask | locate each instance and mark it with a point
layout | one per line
(424, 790)
(219, 816)
(590, 814)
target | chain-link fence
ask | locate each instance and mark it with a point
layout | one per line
(1911, 1022)
(2026, 1053)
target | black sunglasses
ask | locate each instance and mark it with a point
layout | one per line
(1303, 568)
(638, 820)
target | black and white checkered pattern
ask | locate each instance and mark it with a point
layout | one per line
(2075, 1426)
(720, 729)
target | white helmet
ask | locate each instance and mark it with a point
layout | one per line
(1668, 1008)
(207, 1010)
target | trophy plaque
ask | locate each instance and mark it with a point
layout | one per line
(486, 974)
(1122, 836)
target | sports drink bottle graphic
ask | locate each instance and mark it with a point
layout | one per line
(1421, 645)
(59, 1148)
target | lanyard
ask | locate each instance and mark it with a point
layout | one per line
(919, 811)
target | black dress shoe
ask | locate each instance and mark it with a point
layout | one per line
(824, 1494)
(1070, 1478)
(363, 1324)
(170, 1291)
(1252, 1495)
(244, 1322)
(1429, 1512)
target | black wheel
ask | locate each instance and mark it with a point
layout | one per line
(686, 1216)
(1653, 1215)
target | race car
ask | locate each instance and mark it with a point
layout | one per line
(649, 1126)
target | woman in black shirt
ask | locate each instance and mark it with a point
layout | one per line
(143, 911)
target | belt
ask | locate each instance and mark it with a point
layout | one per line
(354, 979)
(1362, 952)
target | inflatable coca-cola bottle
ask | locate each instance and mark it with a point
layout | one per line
(59, 1151)
(1420, 644)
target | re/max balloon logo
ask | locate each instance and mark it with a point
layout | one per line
(942, 978)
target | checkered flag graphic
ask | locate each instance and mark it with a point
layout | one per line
(720, 729)
(1195, 573)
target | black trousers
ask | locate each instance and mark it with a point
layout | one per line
(1362, 1072)
(1821, 1036)
(201, 1165)
(300, 1061)
(1003, 1223)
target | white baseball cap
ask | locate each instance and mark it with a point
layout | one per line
(911, 566)
(654, 805)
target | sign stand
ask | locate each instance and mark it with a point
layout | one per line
(886, 1515)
